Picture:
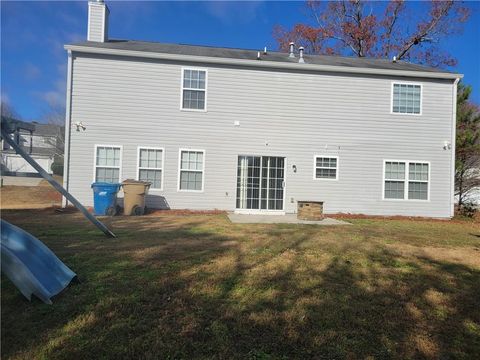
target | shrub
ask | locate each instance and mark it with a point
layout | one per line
(57, 168)
(469, 209)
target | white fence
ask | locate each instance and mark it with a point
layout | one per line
(15, 163)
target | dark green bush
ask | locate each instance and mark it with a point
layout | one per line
(469, 209)
(57, 168)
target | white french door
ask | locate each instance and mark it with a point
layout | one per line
(260, 183)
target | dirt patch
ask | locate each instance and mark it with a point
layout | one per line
(156, 212)
(476, 218)
(29, 197)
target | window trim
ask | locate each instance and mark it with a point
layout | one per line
(315, 167)
(111, 167)
(182, 88)
(406, 180)
(406, 83)
(162, 168)
(180, 170)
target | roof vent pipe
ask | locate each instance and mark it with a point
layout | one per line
(301, 50)
(292, 47)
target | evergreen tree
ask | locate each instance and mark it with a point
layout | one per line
(467, 164)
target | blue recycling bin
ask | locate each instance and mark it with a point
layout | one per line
(105, 198)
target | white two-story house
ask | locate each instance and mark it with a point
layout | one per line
(258, 131)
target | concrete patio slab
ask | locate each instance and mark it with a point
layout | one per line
(279, 219)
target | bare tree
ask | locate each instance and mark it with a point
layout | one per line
(8, 110)
(56, 116)
(467, 172)
(378, 29)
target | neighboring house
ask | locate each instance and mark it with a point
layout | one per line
(248, 131)
(475, 196)
(43, 142)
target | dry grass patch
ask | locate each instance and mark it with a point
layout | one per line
(29, 197)
(469, 255)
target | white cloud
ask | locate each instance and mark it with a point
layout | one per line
(130, 11)
(55, 41)
(5, 98)
(53, 98)
(233, 11)
(31, 71)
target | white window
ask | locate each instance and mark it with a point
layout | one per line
(394, 180)
(191, 170)
(150, 166)
(406, 98)
(326, 167)
(108, 159)
(406, 180)
(417, 181)
(194, 89)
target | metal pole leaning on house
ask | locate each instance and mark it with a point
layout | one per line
(55, 184)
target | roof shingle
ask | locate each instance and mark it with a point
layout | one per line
(245, 54)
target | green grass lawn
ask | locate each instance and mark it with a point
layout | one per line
(197, 286)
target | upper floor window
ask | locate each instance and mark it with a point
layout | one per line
(107, 163)
(326, 167)
(407, 99)
(194, 89)
(150, 166)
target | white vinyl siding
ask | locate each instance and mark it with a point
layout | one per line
(406, 98)
(326, 167)
(150, 166)
(191, 170)
(405, 180)
(194, 89)
(334, 115)
(107, 163)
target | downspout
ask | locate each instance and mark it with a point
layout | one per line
(68, 112)
(454, 135)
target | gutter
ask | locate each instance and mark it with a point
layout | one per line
(453, 142)
(68, 113)
(262, 64)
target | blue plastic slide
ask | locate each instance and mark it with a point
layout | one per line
(31, 266)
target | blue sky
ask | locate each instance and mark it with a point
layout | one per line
(33, 61)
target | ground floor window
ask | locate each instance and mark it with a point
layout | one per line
(150, 166)
(326, 167)
(191, 170)
(107, 163)
(406, 180)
